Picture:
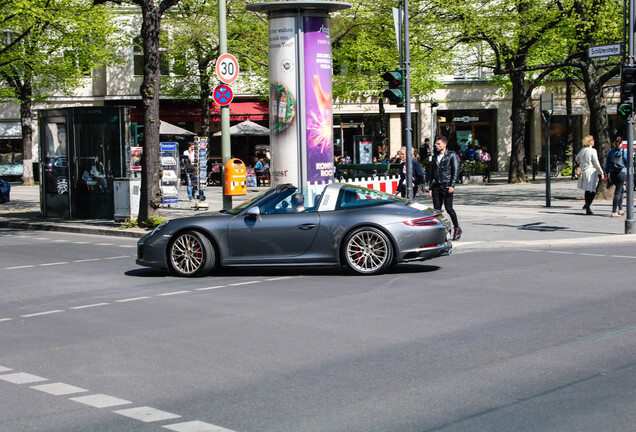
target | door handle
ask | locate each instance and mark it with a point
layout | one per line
(306, 226)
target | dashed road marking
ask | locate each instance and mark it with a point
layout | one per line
(173, 293)
(244, 283)
(89, 306)
(41, 313)
(5, 319)
(52, 264)
(147, 414)
(22, 378)
(100, 400)
(131, 299)
(210, 288)
(20, 267)
(59, 389)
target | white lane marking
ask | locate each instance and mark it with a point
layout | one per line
(20, 267)
(5, 369)
(561, 252)
(128, 246)
(117, 257)
(591, 254)
(52, 264)
(59, 389)
(41, 238)
(41, 313)
(89, 306)
(243, 283)
(278, 278)
(196, 426)
(22, 378)
(147, 414)
(103, 244)
(80, 242)
(210, 288)
(5, 319)
(86, 260)
(173, 293)
(131, 299)
(623, 256)
(60, 241)
(100, 400)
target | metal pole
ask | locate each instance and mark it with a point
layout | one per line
(629, 219)
(226, 145)
(548, 192)
(407, 102)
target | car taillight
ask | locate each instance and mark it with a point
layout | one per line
(430, 220)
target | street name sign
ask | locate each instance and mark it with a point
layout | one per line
(604, 50)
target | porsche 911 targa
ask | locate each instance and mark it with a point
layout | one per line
(363, 229)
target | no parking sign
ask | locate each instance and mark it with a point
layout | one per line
(223, 95)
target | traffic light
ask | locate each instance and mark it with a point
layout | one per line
(628, 81)
(395, 92)
(625, 108)
(628, 89)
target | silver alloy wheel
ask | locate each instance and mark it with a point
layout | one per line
(368, 251)
(191, 254)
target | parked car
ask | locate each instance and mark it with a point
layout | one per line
(363, 229)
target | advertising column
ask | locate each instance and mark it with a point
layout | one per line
(301, 120)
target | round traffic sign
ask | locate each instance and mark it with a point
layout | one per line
(227, 68)
(223, 95)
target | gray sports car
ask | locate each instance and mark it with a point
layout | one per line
(364, 229)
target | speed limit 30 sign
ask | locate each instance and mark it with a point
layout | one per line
(227, 68)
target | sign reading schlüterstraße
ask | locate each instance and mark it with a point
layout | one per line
(604, 50)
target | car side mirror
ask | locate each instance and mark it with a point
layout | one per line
(253, 212)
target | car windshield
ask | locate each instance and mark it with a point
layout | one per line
(239, 208)
(356, 196)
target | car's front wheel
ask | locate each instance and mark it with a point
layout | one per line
(191, 254)
(368, 251)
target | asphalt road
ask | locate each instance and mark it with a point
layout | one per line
(498, 340)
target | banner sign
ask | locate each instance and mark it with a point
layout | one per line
(318, 98)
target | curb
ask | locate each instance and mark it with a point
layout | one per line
(114, 232)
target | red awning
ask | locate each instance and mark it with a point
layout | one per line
(177, 111)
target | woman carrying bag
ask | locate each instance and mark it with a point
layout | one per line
(591, 171)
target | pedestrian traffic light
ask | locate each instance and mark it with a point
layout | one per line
(628, 82)
(395, 92)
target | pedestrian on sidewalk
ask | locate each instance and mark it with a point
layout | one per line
(590, 172)
(616, 169)
(189, 169)
(444, 175)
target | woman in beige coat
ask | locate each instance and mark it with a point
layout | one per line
(590, 171)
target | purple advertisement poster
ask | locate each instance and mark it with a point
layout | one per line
(318, 98)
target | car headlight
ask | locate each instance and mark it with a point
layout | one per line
(158, 228)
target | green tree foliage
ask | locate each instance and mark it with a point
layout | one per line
(48, 47)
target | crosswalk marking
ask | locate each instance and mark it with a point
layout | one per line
(147, 414)
(100, 400)
(22, 378)
(58, 389)
(196, 426)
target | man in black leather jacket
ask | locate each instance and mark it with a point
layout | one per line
(444, 175)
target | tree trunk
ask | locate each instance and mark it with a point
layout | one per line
(517, 169)
(26, 95)
(569, 125)
(150, 197)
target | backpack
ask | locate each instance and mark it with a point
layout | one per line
(615, 160)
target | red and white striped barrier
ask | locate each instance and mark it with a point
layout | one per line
(382, 183)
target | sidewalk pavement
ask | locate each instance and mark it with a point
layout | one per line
(492, 215)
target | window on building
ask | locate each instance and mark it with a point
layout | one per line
(169, 64)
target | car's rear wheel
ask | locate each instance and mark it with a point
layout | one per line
(191, 254)
(368, 251)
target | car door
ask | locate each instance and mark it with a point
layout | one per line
(270, 238)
